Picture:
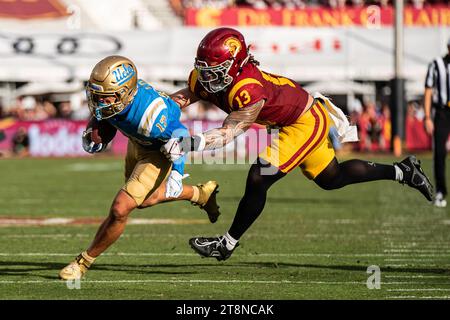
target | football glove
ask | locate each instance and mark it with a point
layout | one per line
(172, 149)
(89, 145)
(174, 184)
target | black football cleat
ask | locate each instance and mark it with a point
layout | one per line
(211, 247)
(414, 176)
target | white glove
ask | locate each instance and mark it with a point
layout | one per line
(174, 185)
(89, 145)
(172, 149)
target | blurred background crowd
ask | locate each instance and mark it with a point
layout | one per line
(372, 117)
(42, 81)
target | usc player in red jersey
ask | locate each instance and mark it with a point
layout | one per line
(227, 75)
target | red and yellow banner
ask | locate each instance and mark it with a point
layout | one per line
(371, 16)
(32, 9)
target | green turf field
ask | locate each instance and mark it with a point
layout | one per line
(307, 244)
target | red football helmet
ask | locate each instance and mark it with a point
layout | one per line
(220, 56)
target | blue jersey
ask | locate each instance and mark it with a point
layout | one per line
(150, 120)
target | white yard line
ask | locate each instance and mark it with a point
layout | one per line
(207, 281)
(30, 254)
(185, 281)
(411, 283)
(416, 251)
(417, 289)
(416, 277)
(10, 222)
(326, 255)
(299, 254)
(412, 259)
(398, 265)
(418, 297)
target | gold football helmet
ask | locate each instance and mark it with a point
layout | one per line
(111, 87)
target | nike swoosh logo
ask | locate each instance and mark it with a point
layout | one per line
(406, 167)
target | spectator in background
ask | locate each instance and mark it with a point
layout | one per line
(370, 128)
(50, 109)
(256, 4)
(334, 3)
(177, 6)
(30, 109)
(64, 110)
(417, 138)
(418, 4)
(20, 143)
(386, 134)
(82, 112)
(26, 108)
(2, 133)
(45, 110)
(218, 4)
(358, 3)
(2, 112)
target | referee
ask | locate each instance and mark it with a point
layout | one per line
(437, 96)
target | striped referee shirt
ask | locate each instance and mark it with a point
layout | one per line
(438, 77)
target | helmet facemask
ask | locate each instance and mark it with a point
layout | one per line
(102, 110)
(214, 78)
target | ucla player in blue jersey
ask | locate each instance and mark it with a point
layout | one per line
(149, 119)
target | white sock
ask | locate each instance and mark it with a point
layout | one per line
(398, 173)
(230, 241)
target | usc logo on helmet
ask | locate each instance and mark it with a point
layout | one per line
(234, 45)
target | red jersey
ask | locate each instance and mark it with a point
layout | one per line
(284, 98)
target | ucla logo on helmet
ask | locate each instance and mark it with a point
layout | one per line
(123, 73)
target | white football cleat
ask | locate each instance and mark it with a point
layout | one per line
(76, 269)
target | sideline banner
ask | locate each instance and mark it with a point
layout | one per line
(369, 17)
(57, 138)
(62, 138)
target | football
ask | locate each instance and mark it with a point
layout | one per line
(102, 131)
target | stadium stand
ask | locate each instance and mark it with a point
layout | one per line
(291, 4)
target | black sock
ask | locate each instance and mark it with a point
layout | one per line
(338, 175)
(254, 199)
